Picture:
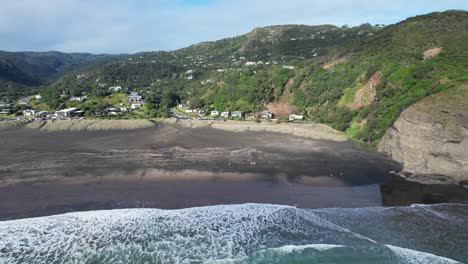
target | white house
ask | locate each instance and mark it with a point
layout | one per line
(215, 113)
(29, 112)
(42, 113)
(296, 117)
(249, 63)
(288, 67)
(65, 112)
(115, 88)
(24, 101)
(76, 99)
(191, 111)
(137, 104)
(134, 97)
(267, 114)
(125, 109)
(5, 111)
(38, 97)
(238, 114)
(225, 114)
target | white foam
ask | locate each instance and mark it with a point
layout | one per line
(417, 257)
(299, 248)
(225, 233)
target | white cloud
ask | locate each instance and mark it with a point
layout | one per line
(114, 26)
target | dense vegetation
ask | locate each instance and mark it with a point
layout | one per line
(356, 79)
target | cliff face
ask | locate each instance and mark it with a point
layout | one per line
(431, 137)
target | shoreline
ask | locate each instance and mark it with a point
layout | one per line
(306, 130)
(43, 198)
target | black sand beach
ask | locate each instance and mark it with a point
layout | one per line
(170, 167)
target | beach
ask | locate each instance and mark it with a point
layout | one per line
(171, 165)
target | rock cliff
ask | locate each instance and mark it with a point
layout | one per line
(431, 138)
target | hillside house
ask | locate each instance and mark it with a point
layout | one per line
(267, 114)
(137, 104)
(24, 101)
(125, 109)
(238, 114)
(38, 97)
(113, 110)
(76, 99)
(29, 112)
(134, 97)
(5, 111)
(42, 113)
(65, 112)
(115, 88)
(296, 117)
(225, 114)
(214, 113)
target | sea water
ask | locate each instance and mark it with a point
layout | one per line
(248, 233)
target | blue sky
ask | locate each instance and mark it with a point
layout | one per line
(127, 26)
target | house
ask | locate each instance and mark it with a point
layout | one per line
(29, 112)
(190, 77)
(267, 114)
(225, 114)
(42, 113)
(137, 104)
(4, 105)
(78, 113)
(134, 97)
(191, 111)
(77, 99)
(125, 109)
(238, 114)
(250, 63)
(24, 101)
(181, 105)
(296, 117)
(38, 97)
(115, 88)
(5, 111)
(214, 113)
(288, 67)
(113, 110)
(65, 112)
(64, 93)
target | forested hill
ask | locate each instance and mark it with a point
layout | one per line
(356, 79)
(23, 70)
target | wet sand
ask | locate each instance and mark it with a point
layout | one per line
(44, 173)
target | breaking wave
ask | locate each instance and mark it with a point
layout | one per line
(249, 233)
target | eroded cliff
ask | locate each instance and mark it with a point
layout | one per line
(431, 138)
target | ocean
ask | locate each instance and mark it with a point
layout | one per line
(245, 233)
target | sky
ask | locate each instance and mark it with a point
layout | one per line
(128, 26)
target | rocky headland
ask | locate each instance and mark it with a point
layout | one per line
(430, 138)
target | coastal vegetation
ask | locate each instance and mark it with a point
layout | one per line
(356, 79)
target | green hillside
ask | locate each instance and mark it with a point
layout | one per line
(355, 79)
